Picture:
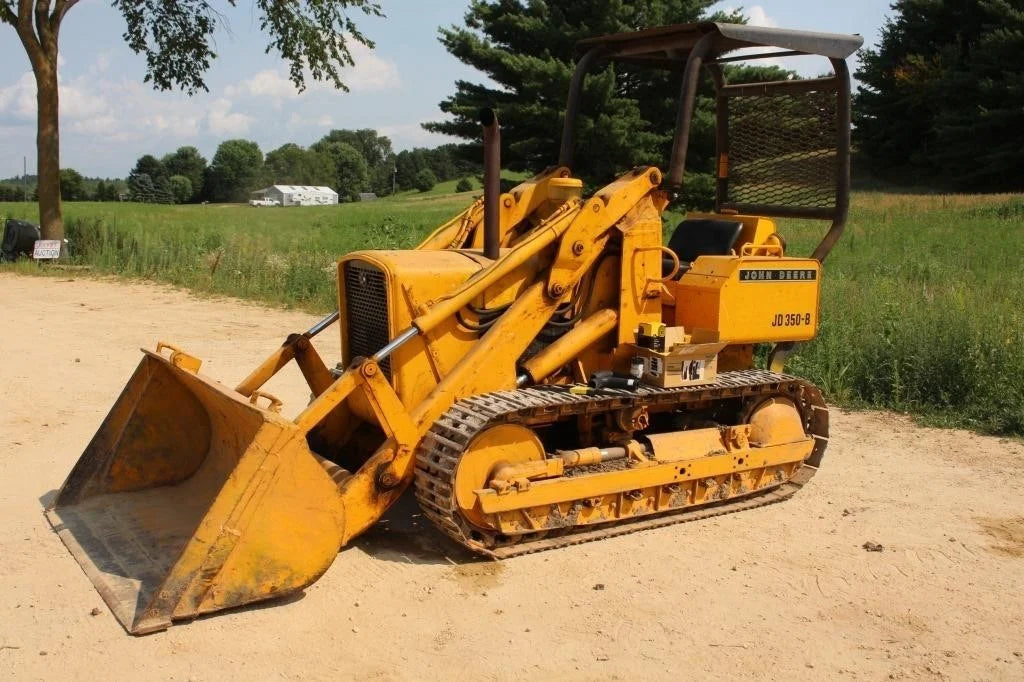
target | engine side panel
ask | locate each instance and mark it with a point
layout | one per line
(750, 299)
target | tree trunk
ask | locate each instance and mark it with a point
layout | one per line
(48, 149)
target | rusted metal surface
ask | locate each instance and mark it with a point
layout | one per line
(687, 103)
(672, 42)
(492, 182)
(572, 107)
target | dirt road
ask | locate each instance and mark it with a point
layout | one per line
(783, 592)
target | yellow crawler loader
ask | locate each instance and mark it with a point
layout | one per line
(543, 370)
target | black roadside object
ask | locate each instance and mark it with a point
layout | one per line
(19, 239)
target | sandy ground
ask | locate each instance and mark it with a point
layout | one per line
(782, 592)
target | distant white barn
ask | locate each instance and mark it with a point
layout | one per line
(298, 195)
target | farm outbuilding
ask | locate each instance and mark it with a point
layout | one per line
(298, 195)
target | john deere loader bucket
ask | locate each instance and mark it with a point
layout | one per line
(189, 499)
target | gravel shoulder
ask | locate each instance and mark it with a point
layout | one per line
(785, 592)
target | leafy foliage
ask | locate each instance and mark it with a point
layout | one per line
(236, 170)
(181, 188)
(376, 151)
(425, 180)
(351, 174)
(72, 185)
(527, 50)
(290, 164)
(151, 166)
(176, 38)
(189, 163)
(942, 98)
(312, 36)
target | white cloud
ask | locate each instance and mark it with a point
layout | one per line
(78, 101)
(222, 121)
(408, 135)
(107, 116)
(269, 83)
(97, 125)
(297, 121)
(756, 16)
(370, 73)
(176, 125)
(19, 99)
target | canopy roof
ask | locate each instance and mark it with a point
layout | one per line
(668, 45)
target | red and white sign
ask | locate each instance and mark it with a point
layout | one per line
(46, 249)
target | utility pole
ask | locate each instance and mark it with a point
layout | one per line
(394, 177)
(24, 178)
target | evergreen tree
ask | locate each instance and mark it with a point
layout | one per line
(140, 187)
(151, 166)
(528, 48)
(942, 97)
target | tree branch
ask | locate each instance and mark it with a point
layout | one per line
(25, 32)
(24, 16)
(7, 14)
(60, 8)
(46, 37)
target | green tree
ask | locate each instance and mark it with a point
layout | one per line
(176, 38)
(526, 50)
(351, 174)
(181, 189)
(409, 163)
(290, 164)
(425, 180)
(464, 185)
(72, 185)
(151, 166)
(942, 97)
(140, 188)
(189, 163)
(163, 191)
(108, 191)
(375, 149)
(101, 191)
(236, 170)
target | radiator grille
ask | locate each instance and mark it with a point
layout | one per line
(366, 312)
(782, 150)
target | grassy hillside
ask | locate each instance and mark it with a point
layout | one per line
(923, 299)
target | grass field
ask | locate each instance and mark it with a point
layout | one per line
(923, 304)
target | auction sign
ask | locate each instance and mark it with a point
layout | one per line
(46, 249)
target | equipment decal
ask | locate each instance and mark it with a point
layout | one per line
(787, 275)
(791, 319)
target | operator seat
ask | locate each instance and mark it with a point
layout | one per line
(700, 237)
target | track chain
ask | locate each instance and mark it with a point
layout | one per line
(440, 450)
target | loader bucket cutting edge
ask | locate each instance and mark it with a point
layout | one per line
(189, 500)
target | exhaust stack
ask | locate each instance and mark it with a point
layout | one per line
(492, 181)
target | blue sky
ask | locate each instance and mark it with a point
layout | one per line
(109, 117)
